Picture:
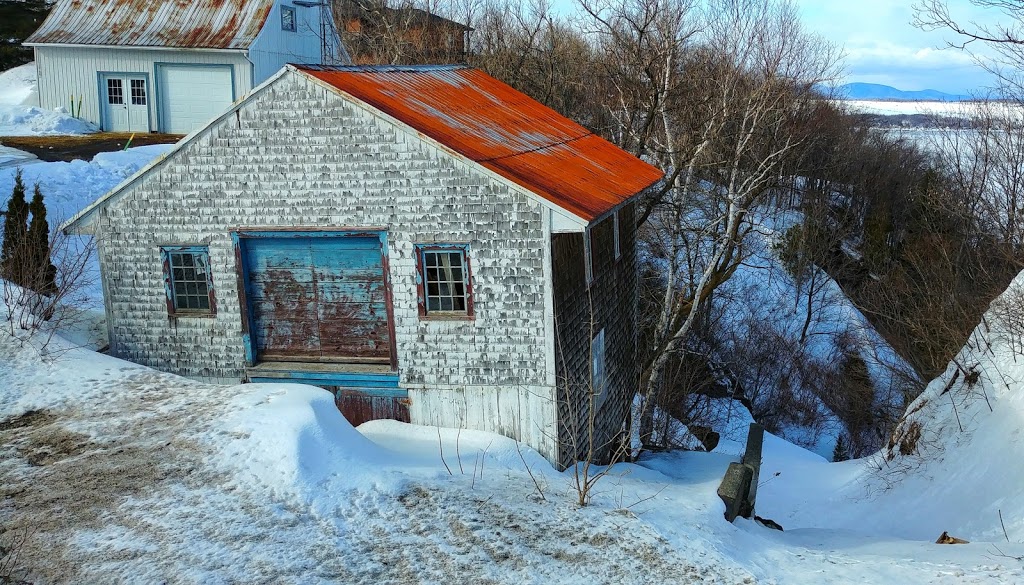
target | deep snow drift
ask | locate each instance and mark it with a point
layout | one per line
(19, 111)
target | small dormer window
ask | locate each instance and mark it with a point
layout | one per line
(288, 18)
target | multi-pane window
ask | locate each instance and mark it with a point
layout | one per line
(138, 87)
(115, 92)
(288, 18)
(188, 280)
(445, 281)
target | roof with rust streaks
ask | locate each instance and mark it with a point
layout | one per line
(504, 130)
(192, 24)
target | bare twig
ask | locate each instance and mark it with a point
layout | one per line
(536, 483)
(458, 455)
(957, 413)
(650, 497)
(1006, 536)
(440, 448)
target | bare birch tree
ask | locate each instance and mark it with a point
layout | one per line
(723, 111)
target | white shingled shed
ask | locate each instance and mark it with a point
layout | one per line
(165, 65)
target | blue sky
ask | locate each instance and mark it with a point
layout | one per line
(881, 45)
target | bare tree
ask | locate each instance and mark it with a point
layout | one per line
(752, 72)
(1005, 37)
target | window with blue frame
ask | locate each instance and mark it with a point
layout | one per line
(288, 18)
(188, 281)
(444, 283)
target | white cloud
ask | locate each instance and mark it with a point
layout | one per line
(882, 46)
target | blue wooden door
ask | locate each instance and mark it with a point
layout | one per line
(317, 298)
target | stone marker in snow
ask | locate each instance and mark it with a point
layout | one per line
(739, 486)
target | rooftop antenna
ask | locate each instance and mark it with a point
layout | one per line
(332, 52)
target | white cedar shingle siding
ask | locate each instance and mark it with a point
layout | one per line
(299, 155)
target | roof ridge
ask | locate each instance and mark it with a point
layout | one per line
(380, 68)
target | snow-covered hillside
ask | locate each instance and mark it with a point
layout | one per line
(784, 341)
(952, 464)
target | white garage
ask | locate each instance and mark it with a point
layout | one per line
(192, 94)
(168, 65)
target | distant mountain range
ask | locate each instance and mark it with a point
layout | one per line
(875, 91)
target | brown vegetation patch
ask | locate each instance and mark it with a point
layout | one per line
(908, 442)
(55, 481)
(31, 418)
(69, 148)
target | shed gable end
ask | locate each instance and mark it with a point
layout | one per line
(297, 156)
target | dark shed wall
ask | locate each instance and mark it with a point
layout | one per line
(610, 301)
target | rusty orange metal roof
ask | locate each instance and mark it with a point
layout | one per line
(502, 129)
(192, 24)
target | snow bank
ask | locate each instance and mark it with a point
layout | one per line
(19, 114)
(957, 451)
(18, 86)
(70, 186)
(33, 121)
(293, 440)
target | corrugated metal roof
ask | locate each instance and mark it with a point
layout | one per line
(193, 24)
(504, 130)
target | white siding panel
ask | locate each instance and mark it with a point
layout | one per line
(526, 413)
(274, 47)
(191, 95)
(74, 71)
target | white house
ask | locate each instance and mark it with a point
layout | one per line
(427, 242)
(169, 65)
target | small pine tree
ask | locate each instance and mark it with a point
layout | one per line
(42, 274)
(840, 453)
(13, 261)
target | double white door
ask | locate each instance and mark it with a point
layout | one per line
(126, 101)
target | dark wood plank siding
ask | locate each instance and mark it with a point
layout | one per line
(358, 407)
(580, 312)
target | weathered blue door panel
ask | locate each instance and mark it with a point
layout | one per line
(316, 298)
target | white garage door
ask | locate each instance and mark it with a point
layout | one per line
(191, 95)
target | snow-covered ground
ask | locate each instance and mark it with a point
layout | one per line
(20, 114)
(953, 463)
(118, 473)
(893, 108)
